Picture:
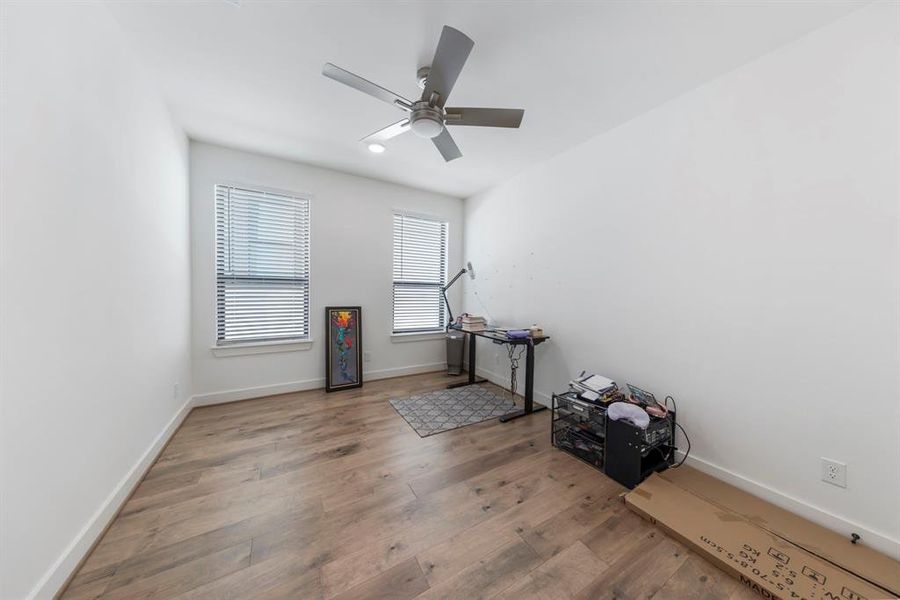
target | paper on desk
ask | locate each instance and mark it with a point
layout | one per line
(597, 382)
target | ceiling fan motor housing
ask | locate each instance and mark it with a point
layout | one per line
(425, 120)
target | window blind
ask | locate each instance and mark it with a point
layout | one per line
(420, 271)
(262, 265)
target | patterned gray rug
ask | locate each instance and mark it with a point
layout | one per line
(443, 410)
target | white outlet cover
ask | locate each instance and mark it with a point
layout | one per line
(834, 472)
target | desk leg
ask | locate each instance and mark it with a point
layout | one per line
(529, 389)
(529, 378)
(472, 362)
(472, 379)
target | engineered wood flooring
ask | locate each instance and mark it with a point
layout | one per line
(334, 496)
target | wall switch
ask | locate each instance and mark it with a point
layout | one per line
(834, 472)
(367, 356)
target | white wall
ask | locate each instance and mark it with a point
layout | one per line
(94, 307)
(738, 248)
(351, 252)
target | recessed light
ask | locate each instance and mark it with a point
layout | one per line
(376, 148)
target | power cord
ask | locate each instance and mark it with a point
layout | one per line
(678, 425)
(486, 311)
(514, 366)
(688, 440)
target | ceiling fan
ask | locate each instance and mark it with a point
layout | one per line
(428, 116)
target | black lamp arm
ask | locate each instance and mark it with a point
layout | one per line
(444, 291)
(455, 277)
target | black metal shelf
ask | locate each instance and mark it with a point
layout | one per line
(624, 452)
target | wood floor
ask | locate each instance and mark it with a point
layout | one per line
(311, 495)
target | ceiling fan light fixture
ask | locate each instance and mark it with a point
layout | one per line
(427, 128)
(376, 148)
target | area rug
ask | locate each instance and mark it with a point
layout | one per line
(442, 410)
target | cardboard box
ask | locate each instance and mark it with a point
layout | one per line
(859, 559)
(767, 563)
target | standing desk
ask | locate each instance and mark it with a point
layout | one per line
(499, 338)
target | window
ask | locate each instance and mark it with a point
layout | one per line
(262, 266)
(420, 270)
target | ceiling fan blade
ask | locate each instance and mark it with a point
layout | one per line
(446, 146)
(365, 86)
(452, 51)
(485, 117)
(391, 131)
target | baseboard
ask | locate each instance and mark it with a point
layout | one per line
(57, 577)
(67, 564)
(303, 385)
(235, 395)
(403, 371)
(876, 540)
(502, 380)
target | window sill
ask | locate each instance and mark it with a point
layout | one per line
(246, 348)
(417, 337)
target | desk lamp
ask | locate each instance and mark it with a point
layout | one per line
(467, 269)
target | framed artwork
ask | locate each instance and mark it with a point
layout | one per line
(343, 350)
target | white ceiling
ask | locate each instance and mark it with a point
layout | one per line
(247, 74)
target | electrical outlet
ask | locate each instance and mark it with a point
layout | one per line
(175, 391)
(834, 472)
(367, 356)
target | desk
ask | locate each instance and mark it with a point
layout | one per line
(499, 338)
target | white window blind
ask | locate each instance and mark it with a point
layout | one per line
(420, 271)
(262, 265)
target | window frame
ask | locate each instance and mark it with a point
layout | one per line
(262, 345)
(442, 328)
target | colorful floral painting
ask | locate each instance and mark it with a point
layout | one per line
(343, 361)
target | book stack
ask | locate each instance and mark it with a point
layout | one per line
(473, 323)
(595, 388)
